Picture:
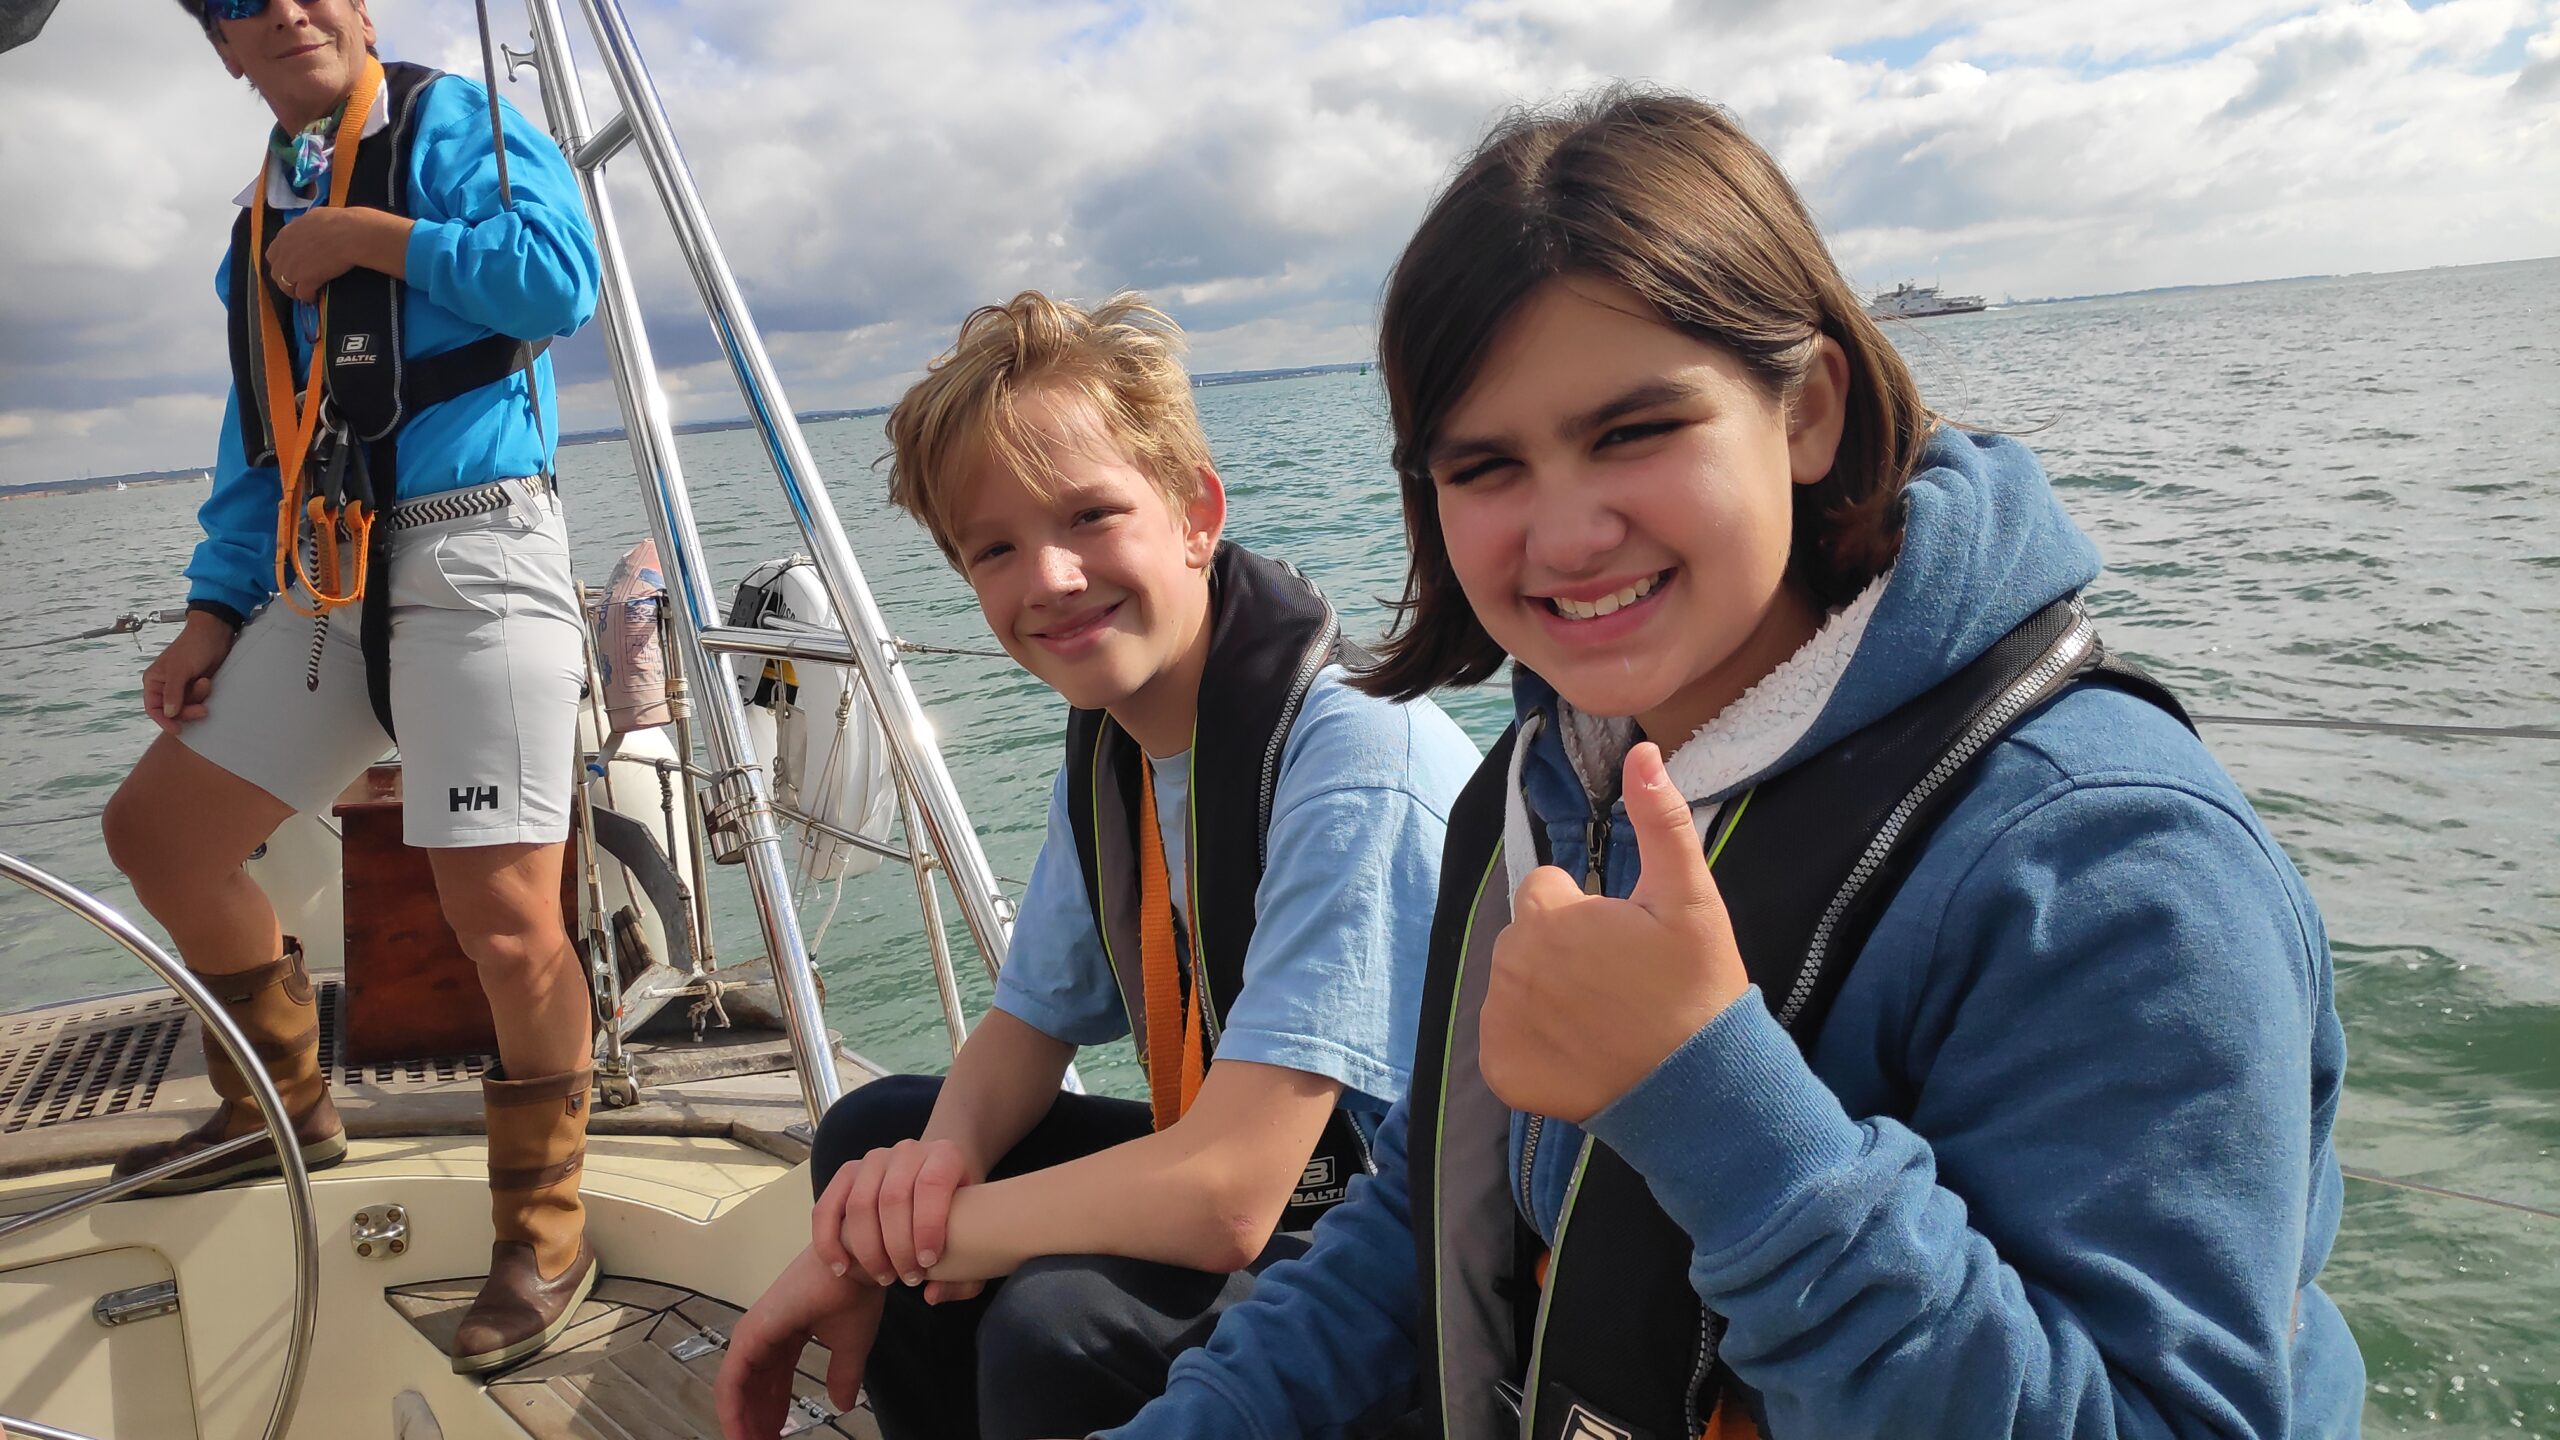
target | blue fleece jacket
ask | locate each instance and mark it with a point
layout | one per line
(475, 268)
(2059, 1164)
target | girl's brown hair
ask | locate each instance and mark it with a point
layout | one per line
(1666, 196)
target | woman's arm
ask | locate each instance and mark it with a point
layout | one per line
(525, 268)
(233, 566)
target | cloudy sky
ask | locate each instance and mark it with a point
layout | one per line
(875, 170)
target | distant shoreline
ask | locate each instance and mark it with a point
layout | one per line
(89, 483)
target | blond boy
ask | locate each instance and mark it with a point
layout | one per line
(1239, 869)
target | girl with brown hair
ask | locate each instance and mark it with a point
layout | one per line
(1858, 1003)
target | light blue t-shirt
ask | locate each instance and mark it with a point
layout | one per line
(1333, 978)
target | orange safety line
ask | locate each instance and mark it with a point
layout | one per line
(1729, 1423)
(1176, 1055)
(301, 410)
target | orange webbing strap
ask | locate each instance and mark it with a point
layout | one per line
(1175, 1058)
(293, 417)
(1729, 1423)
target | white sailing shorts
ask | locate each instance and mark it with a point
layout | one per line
(487, 664)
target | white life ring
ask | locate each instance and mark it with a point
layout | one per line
(824, 750)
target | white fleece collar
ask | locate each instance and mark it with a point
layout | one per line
(1744, 739)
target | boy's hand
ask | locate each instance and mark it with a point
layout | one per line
(805, 1303)
(1589, 994)
(890, 1214)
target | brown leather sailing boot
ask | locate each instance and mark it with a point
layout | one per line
(274, 1006)
(541, 1265)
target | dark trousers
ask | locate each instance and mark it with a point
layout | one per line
(1066, 1345)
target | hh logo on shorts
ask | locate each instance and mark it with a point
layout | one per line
(1581, 1424)
(484, 797)
(355, 350)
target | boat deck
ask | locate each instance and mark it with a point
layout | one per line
(696, 1196)
(82, 1081)
(638, 1363)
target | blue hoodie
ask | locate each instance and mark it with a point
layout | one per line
(2059, 1164)
(475, 268)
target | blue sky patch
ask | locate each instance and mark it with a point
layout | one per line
(1901, 52)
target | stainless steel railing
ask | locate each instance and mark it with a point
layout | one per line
(941, 837)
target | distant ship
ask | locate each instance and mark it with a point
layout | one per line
(1907, 301)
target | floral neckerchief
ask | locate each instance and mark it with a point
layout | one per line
(303, 156)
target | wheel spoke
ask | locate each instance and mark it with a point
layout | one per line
(118, 1189)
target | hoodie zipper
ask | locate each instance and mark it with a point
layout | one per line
(2059, 663)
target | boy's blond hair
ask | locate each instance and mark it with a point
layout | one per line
(1122, 358)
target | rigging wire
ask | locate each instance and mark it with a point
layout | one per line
(2386, 727)
(2445, 1192)
(917, 647)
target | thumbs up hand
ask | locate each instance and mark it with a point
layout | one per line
(1589, 994)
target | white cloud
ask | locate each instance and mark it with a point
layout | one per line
(876, 171)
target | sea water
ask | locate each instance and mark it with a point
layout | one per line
(2335, 497)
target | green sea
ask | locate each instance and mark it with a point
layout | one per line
(2334, 497)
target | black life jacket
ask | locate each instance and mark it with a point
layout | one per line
(1615, 1343)
(374, 386)
(1270, 633)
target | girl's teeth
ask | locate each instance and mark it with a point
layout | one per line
(1606, 604)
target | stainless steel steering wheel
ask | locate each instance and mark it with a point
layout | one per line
(297, 1180)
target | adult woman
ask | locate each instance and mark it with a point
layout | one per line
(376, 236)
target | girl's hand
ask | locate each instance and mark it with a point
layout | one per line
(889, 1213)
(1589, 994)
(805, 1303)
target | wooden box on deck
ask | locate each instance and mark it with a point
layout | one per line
(410, 992)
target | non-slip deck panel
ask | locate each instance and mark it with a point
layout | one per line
(109, 1057)
(614, 1374)
(78, 1064)
(83, 1081)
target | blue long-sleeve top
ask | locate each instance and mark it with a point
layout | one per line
(475, 268)
(2058, 1163)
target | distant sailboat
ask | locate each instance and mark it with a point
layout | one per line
(122, 486)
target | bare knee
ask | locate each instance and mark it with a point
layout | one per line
(178, 819)
(147, 847)
(522, 955)
(129, 829)
(520, 949)
(503, 903)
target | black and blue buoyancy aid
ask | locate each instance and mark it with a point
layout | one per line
(1270, 634)
(373, 385)
(1615, 1343)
